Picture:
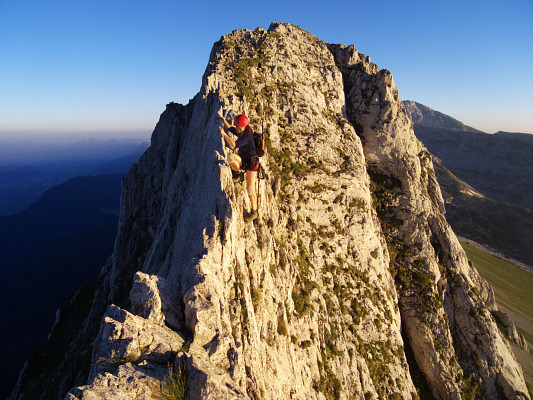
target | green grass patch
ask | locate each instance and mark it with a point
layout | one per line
(512, 285)
(175, 384)
(282, 326)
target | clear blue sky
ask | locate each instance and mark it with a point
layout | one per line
(71, 66)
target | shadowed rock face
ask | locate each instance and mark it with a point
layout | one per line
(351, 246)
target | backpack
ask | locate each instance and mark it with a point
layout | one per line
(259, 140)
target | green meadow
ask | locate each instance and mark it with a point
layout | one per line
(513, 288)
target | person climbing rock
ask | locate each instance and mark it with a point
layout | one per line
(244, 157)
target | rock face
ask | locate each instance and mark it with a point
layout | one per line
(351, 248)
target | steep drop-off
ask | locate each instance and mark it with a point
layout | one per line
(351, 248)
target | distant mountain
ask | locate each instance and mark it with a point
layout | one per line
(503, 227)
(425, 116)
(46, 253)
(486, 180)
(37, 152)
(21, 185)
(499, 165)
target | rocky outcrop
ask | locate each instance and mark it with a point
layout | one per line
(130, 358)
(445, 304)
(510, 329)
(351, 247)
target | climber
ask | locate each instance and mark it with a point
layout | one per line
(244, 158)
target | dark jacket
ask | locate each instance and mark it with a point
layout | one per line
(245, 144)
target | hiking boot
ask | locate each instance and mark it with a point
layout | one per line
(251, 216)
(237, 176)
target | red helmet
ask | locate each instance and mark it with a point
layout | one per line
(241, 120)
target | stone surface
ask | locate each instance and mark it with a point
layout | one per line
(152, 297)
(513, 334)
(446, 309)
(351, 246)
(131, 356)
(129, 382)
(124, 337)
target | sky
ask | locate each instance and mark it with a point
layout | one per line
(97, 68)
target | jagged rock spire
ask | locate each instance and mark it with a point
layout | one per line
(351, 248)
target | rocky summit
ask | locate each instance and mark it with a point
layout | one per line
(349, 285)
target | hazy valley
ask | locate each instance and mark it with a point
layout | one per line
(57, 243)
(29, 168)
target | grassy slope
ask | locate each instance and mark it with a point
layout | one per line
(513, 288)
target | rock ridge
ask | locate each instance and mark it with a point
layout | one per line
(350, 265)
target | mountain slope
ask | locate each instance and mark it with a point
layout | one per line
(22, 185)
(310, 301)
(425, 116)
(48, 251)
(491, 208)
(75, 206)
(500, 226)
(496, 165)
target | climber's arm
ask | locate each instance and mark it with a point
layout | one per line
(230, 141)
(226, 123)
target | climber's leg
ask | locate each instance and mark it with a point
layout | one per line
(251, 177)
(235, 162)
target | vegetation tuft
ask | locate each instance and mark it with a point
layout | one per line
(329, 385)
(175, 385)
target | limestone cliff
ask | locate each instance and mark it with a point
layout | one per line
(350, 266)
